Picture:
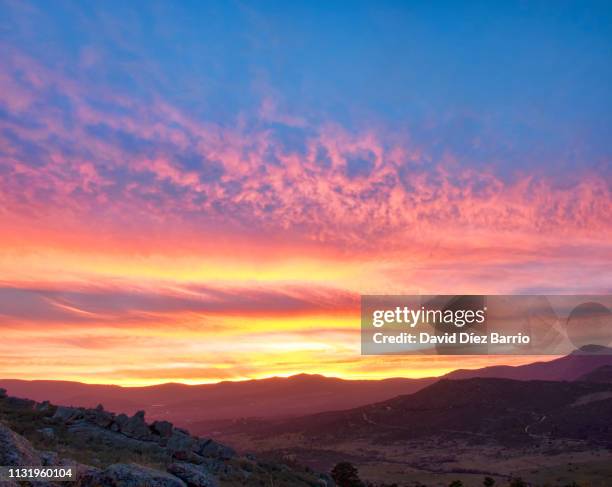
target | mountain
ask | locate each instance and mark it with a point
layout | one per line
(501, 410)
(602, 374)
(279, 397)
(571, 367)
(184, 404)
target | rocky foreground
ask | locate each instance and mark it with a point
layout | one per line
(108, 449)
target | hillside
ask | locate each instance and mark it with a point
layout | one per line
(554, 433)
(570, 367)
(602, 374)
(112, 450)
(502, 410)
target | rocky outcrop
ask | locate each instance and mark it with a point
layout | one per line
(67, 415)
(99, 416)
(181, 442)
(135, 427)
(190, 461)
(193, 475)
(43, 406)
(15, 449)
(162, 428)
(123, 475)
(119, 422)
(210, 448)
(19, 403)
(121, 432)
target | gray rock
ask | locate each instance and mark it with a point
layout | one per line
(180, 442)
(189, 457)
(19, 403)
(67, 415)
(123, 475)
(99, 416)
(121, 420)
(210, 448)
(43, 407)
(90, 432)
(162, 428)
(15, 450)
(135, 427)
(193, 475)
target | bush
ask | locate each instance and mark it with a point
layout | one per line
(345, 474)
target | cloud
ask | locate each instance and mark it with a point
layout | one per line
(135, 231)
(153, 166)
(122, 305)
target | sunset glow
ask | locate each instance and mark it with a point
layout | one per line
(153, 230)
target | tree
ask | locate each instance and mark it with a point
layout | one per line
(518, 482)
(488, 482)
(345, 474)
(456, 483)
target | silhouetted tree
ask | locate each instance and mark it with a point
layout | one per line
(488, 482)
(456, 483)
(518, 482)
(345, 474)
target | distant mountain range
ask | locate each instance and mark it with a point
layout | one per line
(570, 367)
(184, 404)
(504, 410)
(281, 397)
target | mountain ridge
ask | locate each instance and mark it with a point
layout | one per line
(292, 396)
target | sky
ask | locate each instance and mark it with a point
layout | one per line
(200, 191)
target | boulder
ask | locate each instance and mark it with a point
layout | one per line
(43, 406)
(67, 415)
(15, 450)
(99, 417)
(210, 448)
(124, 475)
(120, 421)
(188, 456)
(193, 475)
(135, 427)
(180, 442)
(162, 428)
